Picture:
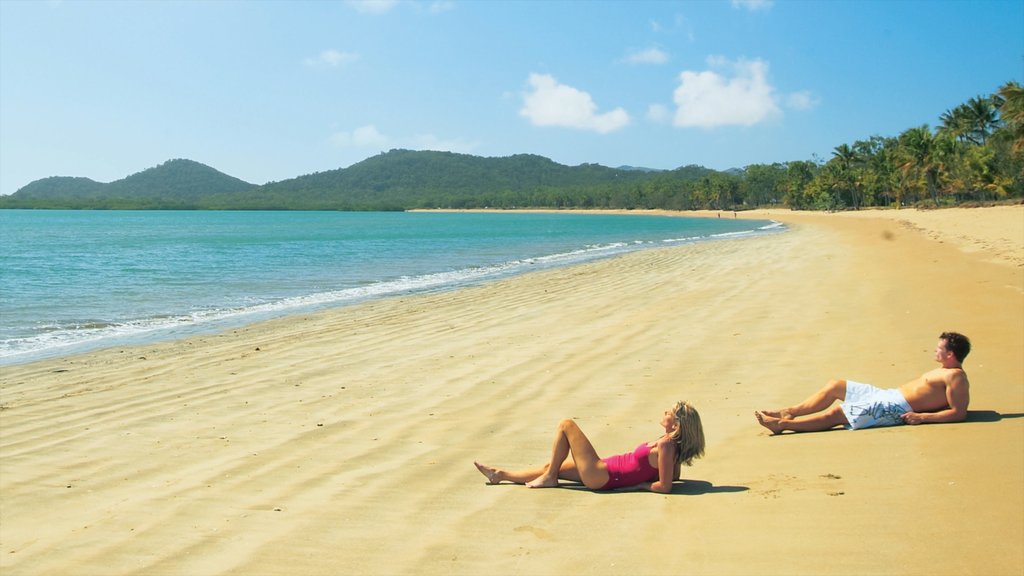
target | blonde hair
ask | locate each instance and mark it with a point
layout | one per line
(689, 434)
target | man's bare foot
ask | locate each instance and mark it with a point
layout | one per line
(543, 482)
(770, 422)
(492, 474)
(783, 414)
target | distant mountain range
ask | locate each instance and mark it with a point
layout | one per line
(395, 180)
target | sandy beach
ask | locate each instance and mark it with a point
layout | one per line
(343, 442)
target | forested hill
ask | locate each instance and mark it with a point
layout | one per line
(403, 179)
(396, 180)
(173, 184)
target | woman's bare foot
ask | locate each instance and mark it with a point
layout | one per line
(543, 482)
(492, 474)
(783, 414)
(770, 422)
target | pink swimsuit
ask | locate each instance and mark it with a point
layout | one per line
(630, 468)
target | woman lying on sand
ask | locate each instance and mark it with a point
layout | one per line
(652, 466)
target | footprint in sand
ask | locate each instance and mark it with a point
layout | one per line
(538, 532)
(831, 476)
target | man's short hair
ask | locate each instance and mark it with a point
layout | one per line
(957, 343)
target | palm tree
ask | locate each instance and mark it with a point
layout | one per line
(846, 160)
(956, 122)
(799, 175)
(1011, 108)
(918, 149)
(877, 178)
(982, 118)
(845, 155)
(973, 121)
(979, 173)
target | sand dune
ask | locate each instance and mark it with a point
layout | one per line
(342, 442)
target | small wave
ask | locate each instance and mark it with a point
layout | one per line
(85, 335)
(78, 336)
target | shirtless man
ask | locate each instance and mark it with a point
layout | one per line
(939, 395)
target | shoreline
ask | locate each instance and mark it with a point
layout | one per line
(1005, 235)
(65, 341)
(346, 437)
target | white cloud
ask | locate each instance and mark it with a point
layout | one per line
(363, 137)
(802, 100)
(369, 137)
(431, 142)
(707, 99)
(372, 6)
(332, 58)
(752, 5)
(649, 56)
(552, 104)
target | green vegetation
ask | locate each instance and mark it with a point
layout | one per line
(175, 184)
(975, 156)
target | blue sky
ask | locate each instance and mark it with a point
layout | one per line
(267, 91)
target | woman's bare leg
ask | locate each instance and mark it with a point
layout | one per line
(497, 475)
(569, 439)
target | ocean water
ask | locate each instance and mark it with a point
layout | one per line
(73, 281)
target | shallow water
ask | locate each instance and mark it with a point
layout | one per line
(72, 281)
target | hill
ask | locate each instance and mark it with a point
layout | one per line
(173, 184)
(404, 179)
(395, 180)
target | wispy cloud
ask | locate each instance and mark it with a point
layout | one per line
(363, 137)
(372, 6)
(753, 5)
(679, 24)
(370, 138)
(648, 56)
(802, 100)
(438, 6)
(432, 142)
(549, 103)
(709, 99)
(332, 59)
(658, 113)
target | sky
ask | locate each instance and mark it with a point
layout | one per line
(267, 91)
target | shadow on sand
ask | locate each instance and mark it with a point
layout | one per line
(699, 487)
(989, 416)
(683, 487)
(972, 416)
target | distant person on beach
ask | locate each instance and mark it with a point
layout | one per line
(939, 395)
(652, 466)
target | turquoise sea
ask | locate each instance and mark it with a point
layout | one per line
(73, 281)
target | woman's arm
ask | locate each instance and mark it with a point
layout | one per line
(667, 469)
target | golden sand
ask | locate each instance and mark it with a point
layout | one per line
(342, 442)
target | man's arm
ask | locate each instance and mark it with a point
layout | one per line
(957, 397)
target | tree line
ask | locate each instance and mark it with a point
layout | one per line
(975, 155)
